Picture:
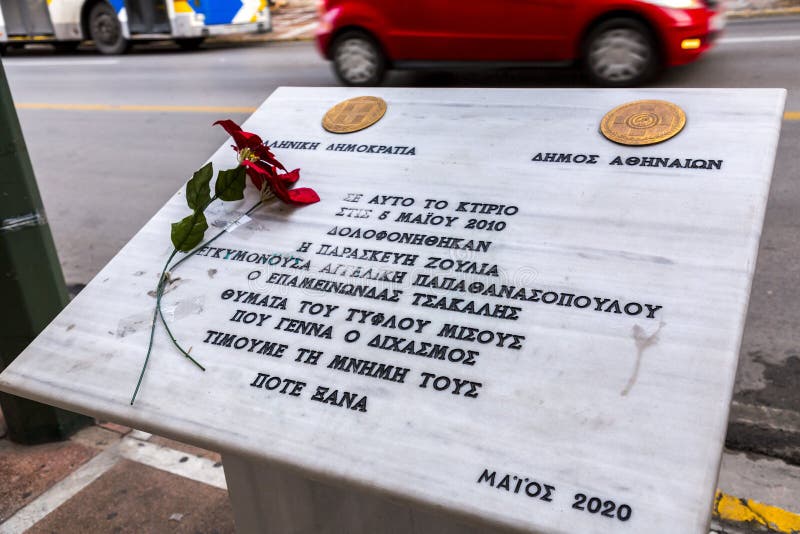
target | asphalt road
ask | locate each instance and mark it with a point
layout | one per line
(103, 173)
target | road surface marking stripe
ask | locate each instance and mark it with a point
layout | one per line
(729, 508)
(173, 461)
(55, 63)
(299, 30)
(131, 107)
(60, 493)
(789, 115)
(763, 39)
(140, 435)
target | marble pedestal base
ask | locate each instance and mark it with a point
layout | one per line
(273, 500)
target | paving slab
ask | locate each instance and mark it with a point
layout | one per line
(131, 497)
(26, 471)
(114, 427)
(189, 449)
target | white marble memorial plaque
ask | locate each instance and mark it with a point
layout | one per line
(493, 311)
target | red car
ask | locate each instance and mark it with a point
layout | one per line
(618, 43)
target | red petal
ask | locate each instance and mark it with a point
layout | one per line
(259, 173)
(303, 195)
(242, 138)
(229, 126)
(256, 178)
(264, 153)
(265, 173)
(247, 139)
(281, 192)
(291, 176)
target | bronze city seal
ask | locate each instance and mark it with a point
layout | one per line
(354, 114)
(643, 122)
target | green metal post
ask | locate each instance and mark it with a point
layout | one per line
(32, 289)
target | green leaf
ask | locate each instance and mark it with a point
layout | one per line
(198, 192)
(230, 184)
(189, 231)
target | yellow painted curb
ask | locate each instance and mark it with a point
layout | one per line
(792, 116)
(729, 508)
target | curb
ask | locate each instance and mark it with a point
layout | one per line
(736, 510)
(756, 13)
(765, 430)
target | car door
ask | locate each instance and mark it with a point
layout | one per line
(474, 30)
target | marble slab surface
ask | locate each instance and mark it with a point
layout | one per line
(590, 361)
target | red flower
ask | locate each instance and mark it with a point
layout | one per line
(262, 167)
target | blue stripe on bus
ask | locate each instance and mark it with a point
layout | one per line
(217, 11)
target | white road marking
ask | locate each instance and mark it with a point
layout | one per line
(60, 493)
(298, 31)
(169, 460)
(140, 435)
(762, 39)
(307, 16)
(58, 63)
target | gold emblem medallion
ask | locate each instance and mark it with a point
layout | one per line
(643, 122)
(354, 114)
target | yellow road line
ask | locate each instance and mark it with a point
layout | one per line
(130, 107)
(789, 115)
(731, 508)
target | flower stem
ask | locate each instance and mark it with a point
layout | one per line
(175, 266)
(153, 323)
(219, 234)
(172, 337)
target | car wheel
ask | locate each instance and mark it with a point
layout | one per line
(620, 53)
(106, 30)
(358, 60)
(190, 43)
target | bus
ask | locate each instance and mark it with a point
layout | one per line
(114, 24)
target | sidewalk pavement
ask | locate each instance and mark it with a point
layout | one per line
(110, 478)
